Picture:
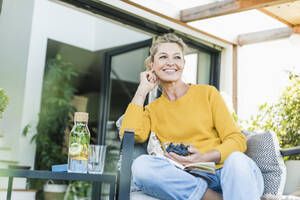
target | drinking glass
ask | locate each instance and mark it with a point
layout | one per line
(96, 159)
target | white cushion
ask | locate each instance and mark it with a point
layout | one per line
(139, 195)
(290, 197)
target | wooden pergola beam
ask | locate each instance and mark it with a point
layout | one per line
(176, 21)
(262, 36)
(275, 17)
(224, 7)
(296, 29)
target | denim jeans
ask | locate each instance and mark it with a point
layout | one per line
(238, 179)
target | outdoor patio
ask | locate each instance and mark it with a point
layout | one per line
(58, 57)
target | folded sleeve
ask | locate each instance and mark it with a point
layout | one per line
(138, 119)
(231, 137)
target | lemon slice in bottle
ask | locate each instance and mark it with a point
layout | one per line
(75, 149)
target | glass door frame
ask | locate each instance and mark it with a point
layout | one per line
(105, 88)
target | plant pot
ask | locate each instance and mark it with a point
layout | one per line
(54, 191)
(293, 176)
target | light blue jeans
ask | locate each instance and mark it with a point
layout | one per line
(239, 179)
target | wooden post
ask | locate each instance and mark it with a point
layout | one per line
(235, 79)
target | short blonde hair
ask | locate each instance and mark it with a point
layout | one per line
(166, 38)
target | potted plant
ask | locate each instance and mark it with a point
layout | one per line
(79, 190)
(54, 117)
(54, 191)
(3, 101)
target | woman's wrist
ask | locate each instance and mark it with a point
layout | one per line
(212, 156)
(141, 92)
(139, 97)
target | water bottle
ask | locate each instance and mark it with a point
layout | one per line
(79, 141)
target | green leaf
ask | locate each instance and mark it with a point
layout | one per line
(58, 57)
(26, 129)
(4, 100)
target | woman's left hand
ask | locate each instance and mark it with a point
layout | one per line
(194, 157)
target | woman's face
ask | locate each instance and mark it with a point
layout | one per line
(168, 62)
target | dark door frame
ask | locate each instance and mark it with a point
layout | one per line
(105, 84)
(1, 2)
(105, 93)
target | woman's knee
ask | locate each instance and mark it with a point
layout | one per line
(139, 164)
(145, 168)
(239, 163)
(239, 168)
(237, 159)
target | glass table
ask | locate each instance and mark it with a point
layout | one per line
(38, 174)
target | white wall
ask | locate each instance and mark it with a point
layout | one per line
(108, 35)
(15, 29)
(262, 73)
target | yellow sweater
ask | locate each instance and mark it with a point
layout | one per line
(200, 117)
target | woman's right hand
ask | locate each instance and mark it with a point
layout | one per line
(148, 80)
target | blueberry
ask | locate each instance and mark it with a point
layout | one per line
(179, 149)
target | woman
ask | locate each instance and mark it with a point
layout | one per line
(188, 113)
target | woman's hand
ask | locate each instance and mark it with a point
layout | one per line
(148, 80)
(194, 157)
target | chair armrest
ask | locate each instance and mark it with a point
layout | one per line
(124, 173)
(290, 151)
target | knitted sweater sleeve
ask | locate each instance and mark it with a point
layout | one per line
(231, 137)
(138, 119)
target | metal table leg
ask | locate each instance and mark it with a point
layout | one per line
(9, 188)
(96, 191)
(112, 191)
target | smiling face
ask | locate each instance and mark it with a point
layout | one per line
(168, 62)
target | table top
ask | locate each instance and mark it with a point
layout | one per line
(41, 174)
